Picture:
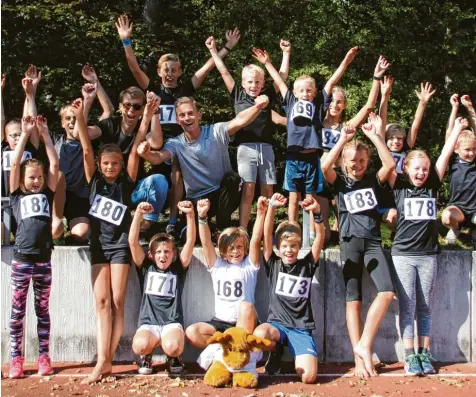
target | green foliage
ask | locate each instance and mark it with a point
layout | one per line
(425, 41)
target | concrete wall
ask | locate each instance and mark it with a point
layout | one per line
(73, 317)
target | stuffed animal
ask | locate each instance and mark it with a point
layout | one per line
(236, 358)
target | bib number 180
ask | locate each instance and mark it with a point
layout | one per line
(108, 210)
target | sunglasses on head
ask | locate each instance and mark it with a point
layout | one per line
(128, 105)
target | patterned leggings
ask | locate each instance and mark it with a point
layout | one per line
(22, 273)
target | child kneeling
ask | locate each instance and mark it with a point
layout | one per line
(161, 318)
(290, 314)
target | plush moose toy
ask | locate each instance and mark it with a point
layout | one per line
(236, 358)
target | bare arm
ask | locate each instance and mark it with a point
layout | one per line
(53, 170)
(257, 236)
(245, 117)
(30, 85)
(278, 200)
(311, 205)
(284, 69)
(449, 146)
(204, 230)
(27, 126)
(88, 153)
(263, 57)
(187, 251)
(137, 251)
(454, 100)
(466, 101)
(335, 78)
(90, 76)
(424, 97)
(153, 157)
(327, 164)
(221, 67)
(277, 119)
(386, 89)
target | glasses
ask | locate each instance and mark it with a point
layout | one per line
(14, 136)
(136, 106)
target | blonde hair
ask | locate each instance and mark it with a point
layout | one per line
(186, 99)
(288, 230)
(465, 135)
(414, 154)
(252, 70)
(168, 58)
(394, 129)
(340, 89)
(64, 109)
(304, 77)
(357, 145)
(228, 238)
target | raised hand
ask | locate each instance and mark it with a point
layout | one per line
(261, 102)
(386, 86)
(369, 130)
(466, 101)
(460, 124)
(211, 44)
(376, 120)
(232, 38)
(351, 54)
(152, 104)
(186, 207)
(77, 106)
(35, 75)
(262, 205)
(143, 148)
(310, 204)
(203, 206)
(382, 66)
(347, 133)
(27, 85)
(28, 125)
(278, 200)
(261, 56)
(124, 27)
(285, 46)
(144, 208)
(89, 91)
(89, 74)
(426, 92)
(42, 125)
(3, 81)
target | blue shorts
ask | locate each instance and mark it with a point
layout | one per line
(382, 211)
(303, 173)
(300, 340)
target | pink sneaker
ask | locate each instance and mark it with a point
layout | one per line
(16, 368)
(44, 365)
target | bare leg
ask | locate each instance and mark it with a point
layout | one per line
(58, 207)
(173, 342)
(354, 327)
(293, 211)
(246, 203)
(267, 331)
(390, 219)
(198, 334)
(306, 367)
(177, 189)
(324, 204)
(80, 229)
(144, 342)
(452, 217)
(247, 317)
(424, 341)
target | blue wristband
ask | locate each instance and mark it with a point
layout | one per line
(127, 42)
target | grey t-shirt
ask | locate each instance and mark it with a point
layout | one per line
(205, 161)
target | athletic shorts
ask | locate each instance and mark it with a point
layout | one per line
(256, 160)
(356, 252)
(220, 325)
(75, 207)
(303, 173)
(117, 255)
(160, 330)
(299, 340)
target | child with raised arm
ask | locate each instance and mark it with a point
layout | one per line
(32, 191)
(110, 189)
(255, 154)
(461, 209)
(359, 229)
(169, 89)
(399, 143)
(234, 273)
(290, 316)
(161, 316)
(415, 249)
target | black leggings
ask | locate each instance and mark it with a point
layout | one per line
(354, 253)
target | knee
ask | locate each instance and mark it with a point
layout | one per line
(173, 348)
(446, 217)
(261, 333)
(80, 231)
(103, 304)
(118, 304)
(160, 183)
(248, 194)
(307, 376)
(140, 346)
(192, 332)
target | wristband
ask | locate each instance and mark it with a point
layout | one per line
(202, 218)
(377, 78)
(226, 48)
(202, 222)
(271, 204)
(318, 218)
(127, 42)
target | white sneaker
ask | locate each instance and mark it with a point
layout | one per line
(452, 237)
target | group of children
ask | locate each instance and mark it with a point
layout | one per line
(324, 161)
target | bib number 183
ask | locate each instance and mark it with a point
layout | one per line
(360, 200)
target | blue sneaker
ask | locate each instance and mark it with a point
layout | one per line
(426, 365)
(413, 366)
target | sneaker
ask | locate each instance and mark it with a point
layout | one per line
(413, 366)
(145, 364)
(176, 367)
(273, 365)
(426, 365)
(44, 365)
(452, 237)
(16, 368)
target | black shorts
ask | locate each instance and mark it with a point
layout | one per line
(75, 207)
(117, 255)
(220, 325)
(354, 253)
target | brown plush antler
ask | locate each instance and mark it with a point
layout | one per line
(257, 342)
(218, 337)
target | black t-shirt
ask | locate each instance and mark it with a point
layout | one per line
(357, 206)
(463, 184)
(305, 121)
(109, 213)
(290, 291)
(30, 152)
(417, 213)
(32, 212)
(168, 96)
(71, 164)
(162, 298)
(262, 128)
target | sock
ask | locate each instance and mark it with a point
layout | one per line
(423, 350)
(409, 352)
(172, 221)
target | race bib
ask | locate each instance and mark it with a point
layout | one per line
(303, 109)
(419, 209)
(329, 137)
(8, 157)
(167, 114)
(34, 205)
(161, 284)
(399, 159)
(360, 200)
(108, 210)
(293, 286)
(229, 290)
